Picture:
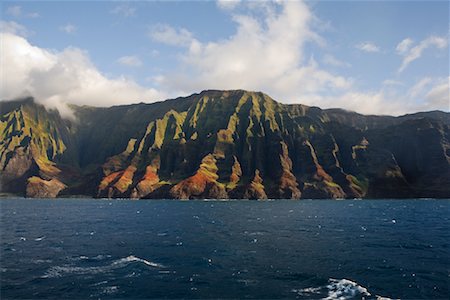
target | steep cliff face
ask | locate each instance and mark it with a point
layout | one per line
(224, 144)
(32, 143)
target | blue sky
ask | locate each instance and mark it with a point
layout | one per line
(374, 57)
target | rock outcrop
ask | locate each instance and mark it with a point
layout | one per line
(41, 188)
(203, 184)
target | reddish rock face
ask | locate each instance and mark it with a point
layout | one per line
(255, 190)
(40, 188)
(203, 184)
(148, 183)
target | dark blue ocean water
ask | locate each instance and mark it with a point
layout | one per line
(78, 249)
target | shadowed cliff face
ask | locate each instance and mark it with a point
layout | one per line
(222, 144)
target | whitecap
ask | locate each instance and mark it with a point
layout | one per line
(110, 290)
(100, 283)
(308, 291)
(338, 289)
(345, 289)
(133, 258)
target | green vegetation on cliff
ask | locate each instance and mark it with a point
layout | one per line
(223, 144)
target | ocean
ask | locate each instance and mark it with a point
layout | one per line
(306, 249)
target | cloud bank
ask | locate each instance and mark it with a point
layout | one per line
(55, 78)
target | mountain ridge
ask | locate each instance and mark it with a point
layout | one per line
(222, 144)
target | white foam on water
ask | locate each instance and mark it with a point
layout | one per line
(308, 291)
(133, 258)
(42, 261)
(110, 290)
(59, 271)
(338, 289)
(345, 289)
(100, 283)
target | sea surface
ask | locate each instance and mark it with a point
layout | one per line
(307, 249)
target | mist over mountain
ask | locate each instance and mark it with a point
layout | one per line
(222, 144)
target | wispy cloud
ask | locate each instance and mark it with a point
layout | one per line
(124, 10)
(392, 82)
(166, 34)
(227, 4)
(14, 28)
(410, 54)
(68, 28)
(130, 61)
(368, 47)
(329, 59)
(438, 96)
(418, 88)
(404, 46)
(16, 11)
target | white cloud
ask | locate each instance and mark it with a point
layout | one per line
(124, 10)
(13, 27)
(329, 59)
(404, 46)
(368, 47)
(263, 54)
(266, 54)
(166, 34)
(369, 103)
(130, 61)
(16, 12)
(411, 54)
(68, 28)
(419, 87)
(431, 94)
(58, 77)
(438, 97)
(427, 94)
(227, 4)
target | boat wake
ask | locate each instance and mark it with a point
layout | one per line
(60, 271)
(338, 289)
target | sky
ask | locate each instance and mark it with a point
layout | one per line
(372, 57)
